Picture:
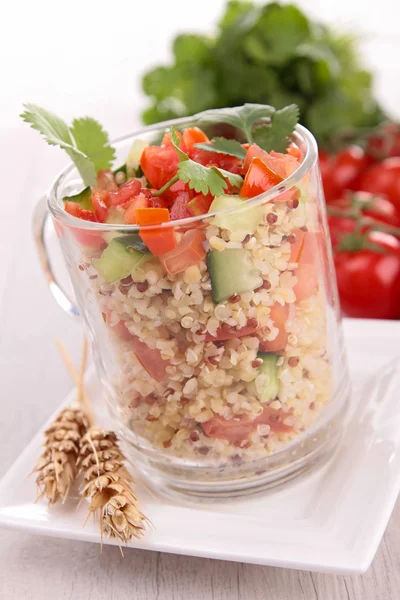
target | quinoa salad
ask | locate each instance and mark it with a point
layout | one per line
(214, 304)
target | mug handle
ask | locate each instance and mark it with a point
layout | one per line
(40, 218)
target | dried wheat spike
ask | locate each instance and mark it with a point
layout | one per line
(107, 485)
(56, 468)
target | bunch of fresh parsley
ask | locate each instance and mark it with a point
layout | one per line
(270, 54)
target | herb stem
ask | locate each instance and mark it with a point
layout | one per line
(165, 187)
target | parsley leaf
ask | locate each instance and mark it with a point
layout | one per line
(92, 140)
(242, 117)
(224, 146)
(276, 136)
(78, 142)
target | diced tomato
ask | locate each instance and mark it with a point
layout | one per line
(75, 210)
(294, 151)
(122, 331)
(259, 178)
(158, 202)
(200, 204)
(140, 201)
(282, 164)
(91, 239)
(175, 190)
(223, 161)
(151, 360)
(239, 428)
(180, 209)
(190, 251)
(127, 191)
(307, 281)
(231, 333)
(101, 203)
(167, 139)
(159, 164)
(159, 240)
(192, 136)
(106, 180)
(306, 247)
(279, 315)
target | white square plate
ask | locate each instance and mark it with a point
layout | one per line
(332, 520)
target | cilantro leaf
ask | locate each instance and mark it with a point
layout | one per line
(204, 180)
(242, 117)
(276, 136)
(57, 133)
(201, 179)
(92, 140)
(224, 146)
(86, 143)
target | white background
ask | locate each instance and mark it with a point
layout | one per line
(84, 57)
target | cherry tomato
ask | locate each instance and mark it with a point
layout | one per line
(369, 281)
(384, 142)
(159, 164)
(376, 207)
(383, 178)
(342, 171)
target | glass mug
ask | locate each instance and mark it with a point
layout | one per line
(229, 376)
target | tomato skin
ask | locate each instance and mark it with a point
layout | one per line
(127, 191)
(140, 201)
(192, 136)
(383, 178)
(159, 164)
(190, 251)
(239, 429)
(200, 204)
(151, 360)
(231, 333)
(377, 207)
(279, 315)
(101, 204)
(368, 281)
(259, 178)
(342, 171)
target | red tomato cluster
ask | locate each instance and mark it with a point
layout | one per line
(362, 191)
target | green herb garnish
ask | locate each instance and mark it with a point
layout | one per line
(204, 180)
(224, 146)
(86, 142)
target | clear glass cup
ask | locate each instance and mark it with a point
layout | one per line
(229, 376)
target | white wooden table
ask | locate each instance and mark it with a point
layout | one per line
(79, 68)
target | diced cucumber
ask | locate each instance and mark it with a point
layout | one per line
(118, 261)
(244, 218)
(231, 272)
(270, 390)
(135, 153)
